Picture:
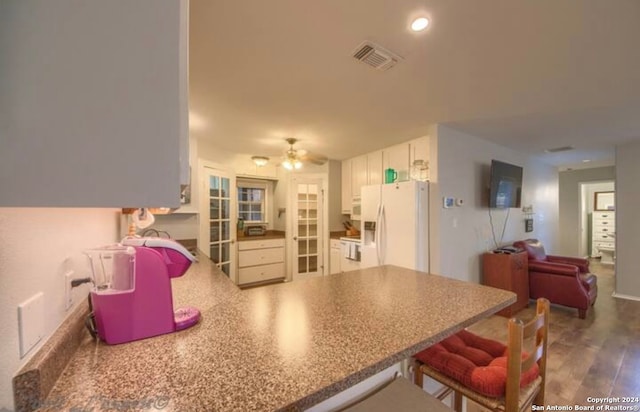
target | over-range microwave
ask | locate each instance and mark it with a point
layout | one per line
(356, 208)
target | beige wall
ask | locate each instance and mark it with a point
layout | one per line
(627, 221)
(37, 246)
(462, 234)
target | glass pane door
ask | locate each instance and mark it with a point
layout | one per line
(308, 229)
(220, 215)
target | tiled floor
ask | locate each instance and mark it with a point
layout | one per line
(595, 357)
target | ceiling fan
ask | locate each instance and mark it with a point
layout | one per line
(294, 158)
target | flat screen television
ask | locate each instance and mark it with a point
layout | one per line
(505, 185)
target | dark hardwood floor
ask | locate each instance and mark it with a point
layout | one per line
(595, 357)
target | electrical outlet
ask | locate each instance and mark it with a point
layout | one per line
(68, 293)
(31, 322)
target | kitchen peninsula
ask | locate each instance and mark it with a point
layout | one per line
(286, 346)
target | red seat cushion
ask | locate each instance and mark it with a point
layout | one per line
(476, 362)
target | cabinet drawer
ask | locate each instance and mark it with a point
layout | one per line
(607, 217)
(260, 244)
(604, 215)
(260, 256)
(603, 228)
(607, 245)
(602, 236)
(260, 273)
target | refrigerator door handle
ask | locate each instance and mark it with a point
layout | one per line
(383, 236)
(377, 234)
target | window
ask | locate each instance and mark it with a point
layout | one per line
(252, 201)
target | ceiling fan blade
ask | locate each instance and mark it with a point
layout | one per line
(314, 158)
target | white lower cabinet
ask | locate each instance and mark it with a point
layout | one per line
(602, 226)
(260, 273)
(260, 260)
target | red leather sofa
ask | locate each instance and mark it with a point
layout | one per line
(563, 280)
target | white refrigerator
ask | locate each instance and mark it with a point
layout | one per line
(395, 225)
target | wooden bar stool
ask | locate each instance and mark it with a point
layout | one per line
(498, 377)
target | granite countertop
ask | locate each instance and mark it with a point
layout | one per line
(337, 234)
(286, 346)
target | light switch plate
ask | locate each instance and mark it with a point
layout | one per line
(31, 322)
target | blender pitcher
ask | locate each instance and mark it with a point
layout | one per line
(112, 269)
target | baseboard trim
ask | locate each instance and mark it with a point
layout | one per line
(627, 297)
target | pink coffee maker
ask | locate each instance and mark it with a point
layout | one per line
(132, 296)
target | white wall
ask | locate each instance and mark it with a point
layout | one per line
(36, 246)
(178, 225)
(280, 201)
(335, 195)
(627, 222)
(569, 206)
(462, 234)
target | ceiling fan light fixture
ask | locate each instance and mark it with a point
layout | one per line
(260, 160)
(292, 163)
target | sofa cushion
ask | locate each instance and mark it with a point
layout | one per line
(533, 247)
(476, 362)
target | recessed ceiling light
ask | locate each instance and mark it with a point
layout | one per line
(420, 24)
(586, 160)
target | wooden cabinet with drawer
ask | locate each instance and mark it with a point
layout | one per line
(508, 272)
(603, 227)
(260, 260)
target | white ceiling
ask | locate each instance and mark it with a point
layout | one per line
(530, 74)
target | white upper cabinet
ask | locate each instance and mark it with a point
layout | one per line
(397, 158)
(94, 104)
(346, 187)
(374, 168)
(359, 175)
(419, 149)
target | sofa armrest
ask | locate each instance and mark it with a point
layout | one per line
(555, 268)
(583, 264)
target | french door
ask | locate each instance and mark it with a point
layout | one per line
(308, 237)
(218, 218)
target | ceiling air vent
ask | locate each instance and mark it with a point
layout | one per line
(376, 56)
(559, 149)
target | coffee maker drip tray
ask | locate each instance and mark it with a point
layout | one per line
(186, 317)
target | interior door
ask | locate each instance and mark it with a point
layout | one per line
(218, 219)
(308, 256)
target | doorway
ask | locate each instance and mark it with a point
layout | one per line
(308, 226)
(587, 194)
(217, 232)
